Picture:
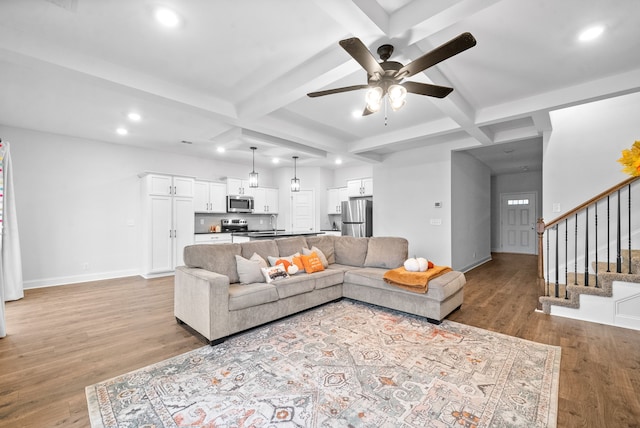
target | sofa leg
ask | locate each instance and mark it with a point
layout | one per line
(216, 341)
(434, 321)
(179, 321)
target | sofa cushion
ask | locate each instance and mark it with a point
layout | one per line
(288, 246)
(440, 288)
(327, 278)
(325, 244)
(249, 270)
(247, 296)
(264, 248)
(220, 258)
(294, 285)
(386, 252)
(351, 251)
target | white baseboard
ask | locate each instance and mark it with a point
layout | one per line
(475, 265)
(63, 280)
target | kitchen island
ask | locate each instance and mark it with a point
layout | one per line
(239, 237)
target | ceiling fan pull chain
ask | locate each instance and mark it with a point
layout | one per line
(385, 112)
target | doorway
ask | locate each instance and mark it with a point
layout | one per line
(303, 217)
(518, 222)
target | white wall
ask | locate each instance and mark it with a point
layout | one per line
(580, 155)
(75, 199)
(471, 211)
(406, 185)
(343, 174)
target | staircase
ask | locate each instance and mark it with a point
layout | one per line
(589, 261)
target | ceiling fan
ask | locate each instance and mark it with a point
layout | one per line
(385, 78)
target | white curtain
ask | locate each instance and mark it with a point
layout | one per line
(10, 256)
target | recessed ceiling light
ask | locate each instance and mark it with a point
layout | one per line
(167, 17)
(591, 33)
(122, 131)
(134, 117)
(275, 160)
(356, 113)
(220, 149)
(338, 161)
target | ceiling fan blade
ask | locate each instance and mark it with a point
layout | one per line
(336, 90)
(453, 47)
(362, 55)
(427, 89)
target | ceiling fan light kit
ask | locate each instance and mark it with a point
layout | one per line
(385, 78)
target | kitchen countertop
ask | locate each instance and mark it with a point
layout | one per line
(270, 234)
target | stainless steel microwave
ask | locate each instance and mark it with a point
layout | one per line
(239, 204)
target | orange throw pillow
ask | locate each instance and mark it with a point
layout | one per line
(312, 263)
(298, 262)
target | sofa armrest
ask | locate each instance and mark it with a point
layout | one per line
(201, 300)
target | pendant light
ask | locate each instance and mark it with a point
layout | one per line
(295, 181)
(253, 175)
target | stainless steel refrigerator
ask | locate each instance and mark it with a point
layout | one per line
(357, 216)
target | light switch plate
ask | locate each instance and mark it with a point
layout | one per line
(436, 221)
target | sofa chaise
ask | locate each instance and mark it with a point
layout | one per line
(212, 300)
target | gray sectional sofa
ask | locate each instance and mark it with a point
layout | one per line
(210, 298)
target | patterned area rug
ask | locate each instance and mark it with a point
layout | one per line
(345, 364)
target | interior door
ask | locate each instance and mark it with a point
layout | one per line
(303, 218)
(518, 222)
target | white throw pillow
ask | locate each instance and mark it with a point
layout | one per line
(274, 273)
(249, 270)
(319, 253)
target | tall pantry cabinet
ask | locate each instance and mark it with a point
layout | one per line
(168, 222)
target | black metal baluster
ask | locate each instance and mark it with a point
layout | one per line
(566, 257)
(586, 247)
(618, 241)
(608, 237)
(575, 253)
(557, 287)
(596, 240)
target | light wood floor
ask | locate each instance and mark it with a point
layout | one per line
(62, 339)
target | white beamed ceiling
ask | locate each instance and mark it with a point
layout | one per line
(236, 73)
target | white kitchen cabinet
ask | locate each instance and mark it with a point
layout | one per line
(335, 198)
(240, 239)
(212, 238)
(360, 187)
(168, 224)
(265, 200)
(332, 233)
(237, 186)
(210, 197)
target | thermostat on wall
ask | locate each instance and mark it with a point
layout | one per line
(438, 204)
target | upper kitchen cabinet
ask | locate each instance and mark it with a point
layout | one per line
(210, 197)
(335, 197)
(360, 187)
(236, 186)
(167, 185)
(265, 200)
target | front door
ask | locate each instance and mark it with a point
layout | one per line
(518, 222)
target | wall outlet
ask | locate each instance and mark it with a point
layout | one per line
(84, 266)
(201, 221)
(555, 207)
(437, 204)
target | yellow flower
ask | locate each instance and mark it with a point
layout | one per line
(631, 160)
